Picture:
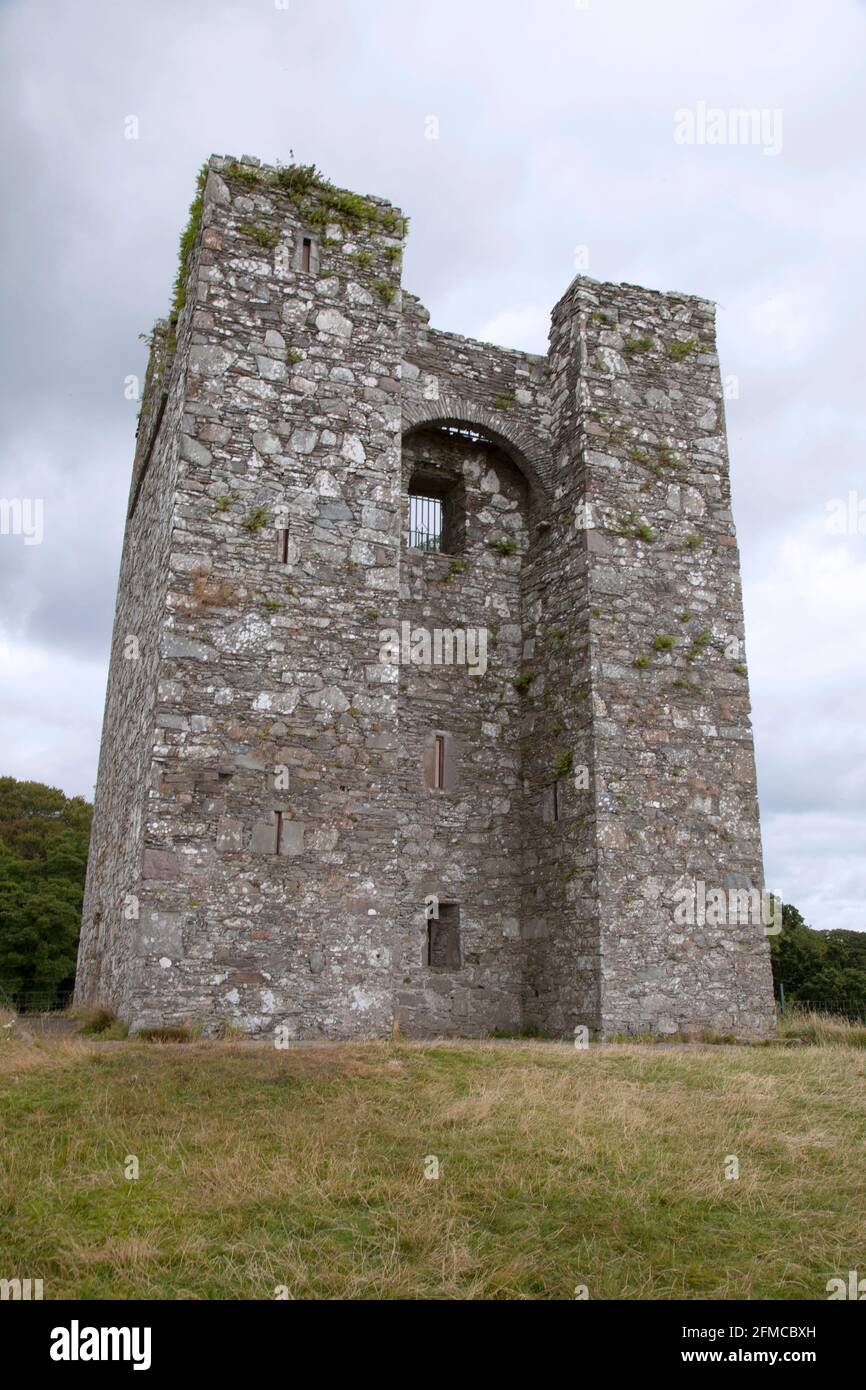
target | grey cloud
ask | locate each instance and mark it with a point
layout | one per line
(555, 130)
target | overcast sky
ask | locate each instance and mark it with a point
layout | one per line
(556, 130)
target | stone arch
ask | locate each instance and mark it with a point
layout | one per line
(522, 447)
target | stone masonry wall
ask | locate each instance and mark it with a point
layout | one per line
(674, 782)
(266, 832)
(508, 396)
(110, 901)
(463, 844)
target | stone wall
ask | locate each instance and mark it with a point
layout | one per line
(673, 783)
(106, 960)
(463, 844)
(266, 833)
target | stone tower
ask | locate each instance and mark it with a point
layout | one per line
(428, 704)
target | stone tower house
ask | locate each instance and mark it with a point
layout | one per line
(302, 822)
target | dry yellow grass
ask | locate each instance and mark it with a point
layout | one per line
(828, 1030)
(306, 1168)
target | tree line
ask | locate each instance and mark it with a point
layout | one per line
(43, 859)
(826, 969)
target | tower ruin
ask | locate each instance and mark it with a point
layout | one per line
(315, 810)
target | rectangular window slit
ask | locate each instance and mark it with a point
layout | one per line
(283, 545)
(306, 252)
(278, 830)
(439, 763)
(555, 801)
(443, 938)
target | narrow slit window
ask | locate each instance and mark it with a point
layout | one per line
(306, 252)
(443, 938)
(551, 802)
(283, 545)
(439, 762)
(426, 516)
(278, 831)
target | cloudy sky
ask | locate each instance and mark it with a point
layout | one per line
(555, 126)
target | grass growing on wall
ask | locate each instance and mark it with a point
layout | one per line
(320, 201)
(187, 243)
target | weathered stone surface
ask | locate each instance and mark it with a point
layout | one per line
(159, 934)
(159, 863)
(332, 321)
(269, 758)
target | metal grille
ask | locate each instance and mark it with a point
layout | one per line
(425, 523)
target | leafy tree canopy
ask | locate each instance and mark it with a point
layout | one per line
(43, 859)
(826, 968)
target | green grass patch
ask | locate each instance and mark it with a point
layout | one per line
(563, 763)
(680, 351)
(188, 239)
(255, 519)
(266, 237)
(557, 1167)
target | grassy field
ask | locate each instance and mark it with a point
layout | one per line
(306, 1168)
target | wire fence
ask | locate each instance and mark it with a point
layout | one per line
(852, 1009)
(25, 1001)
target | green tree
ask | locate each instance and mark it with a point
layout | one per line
(826, 968)
(43, 859)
